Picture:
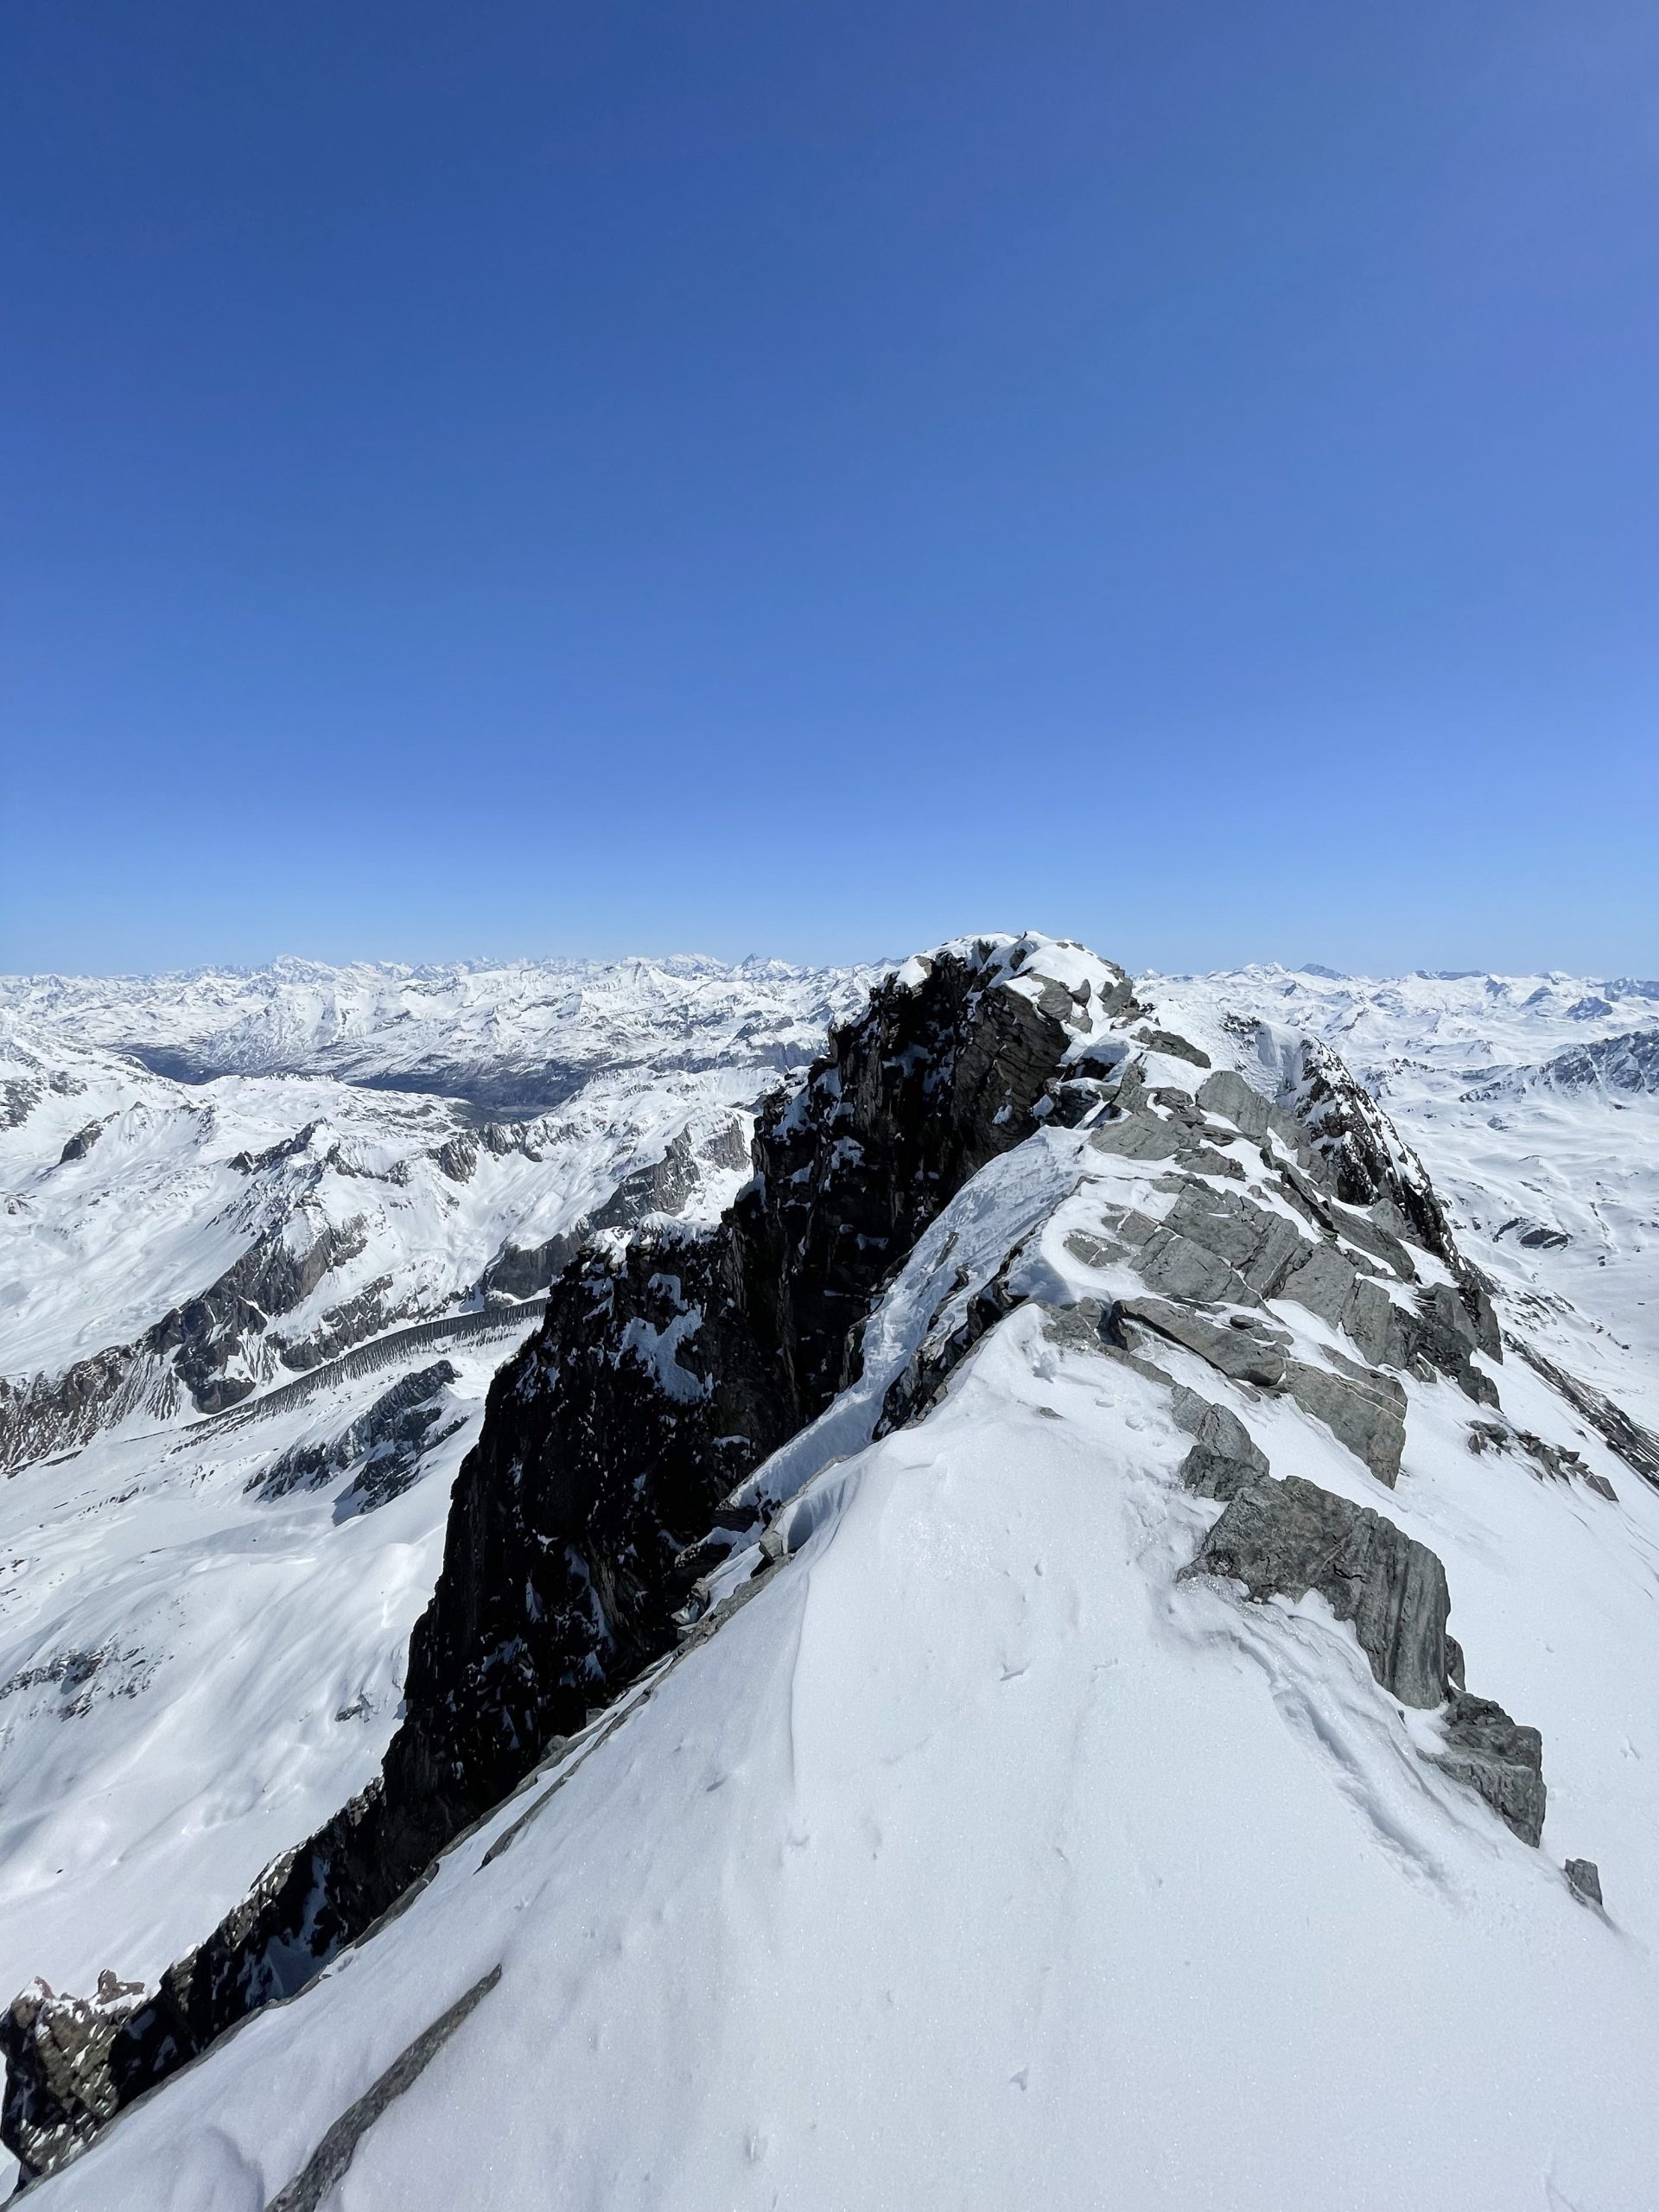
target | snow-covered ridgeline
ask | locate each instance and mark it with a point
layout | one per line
(967, 1813)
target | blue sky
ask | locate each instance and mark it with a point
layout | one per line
(529, 478)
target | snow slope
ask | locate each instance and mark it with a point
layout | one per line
(191, 1672)
(983, 1859)
(979, 1857)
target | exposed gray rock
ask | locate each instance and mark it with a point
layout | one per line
(1224, 1458)
(1499, 1759)
(1244, 1355)
(55, 1413)
(386, 1444)
(1637, 1446)
(1324, 1282)
(366, 1313)
(1260, 1244)
(1584, 1880)
(1137, 1136)
(1383, 1333)
(1179, 1267)
(1095, 1251)
(458, 1158)
(81, 1143)
(1226, 1092)
(1371, 1236)
(1283, 1539)
(1445, 1336)
(1179, 1048)
(1362, 1410)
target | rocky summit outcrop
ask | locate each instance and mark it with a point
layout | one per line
(611, 1473)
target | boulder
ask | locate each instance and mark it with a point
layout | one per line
(1244, 1355)
(1283, 1539)
(1499, 1759)
(1224, 1458)
(1178, 1267)
(1584, 1880)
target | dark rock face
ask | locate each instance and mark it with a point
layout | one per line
(668, 1365)
(81, 1143)
(62, 2093)
(1287, 1538)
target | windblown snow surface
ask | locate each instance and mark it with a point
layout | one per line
(980, 1860)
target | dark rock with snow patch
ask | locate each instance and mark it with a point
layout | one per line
(386, 1444)
(1584, 1880)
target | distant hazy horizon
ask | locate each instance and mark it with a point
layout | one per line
(490, 962)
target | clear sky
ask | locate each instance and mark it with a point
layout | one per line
(524, 477)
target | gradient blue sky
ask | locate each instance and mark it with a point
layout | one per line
(516, 479)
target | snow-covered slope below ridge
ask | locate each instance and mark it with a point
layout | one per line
(1535, 1102)
(971, 1849)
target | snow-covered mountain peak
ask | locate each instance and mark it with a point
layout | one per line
(1039, 1506)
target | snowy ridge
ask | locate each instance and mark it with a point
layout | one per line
(1022, 1807)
